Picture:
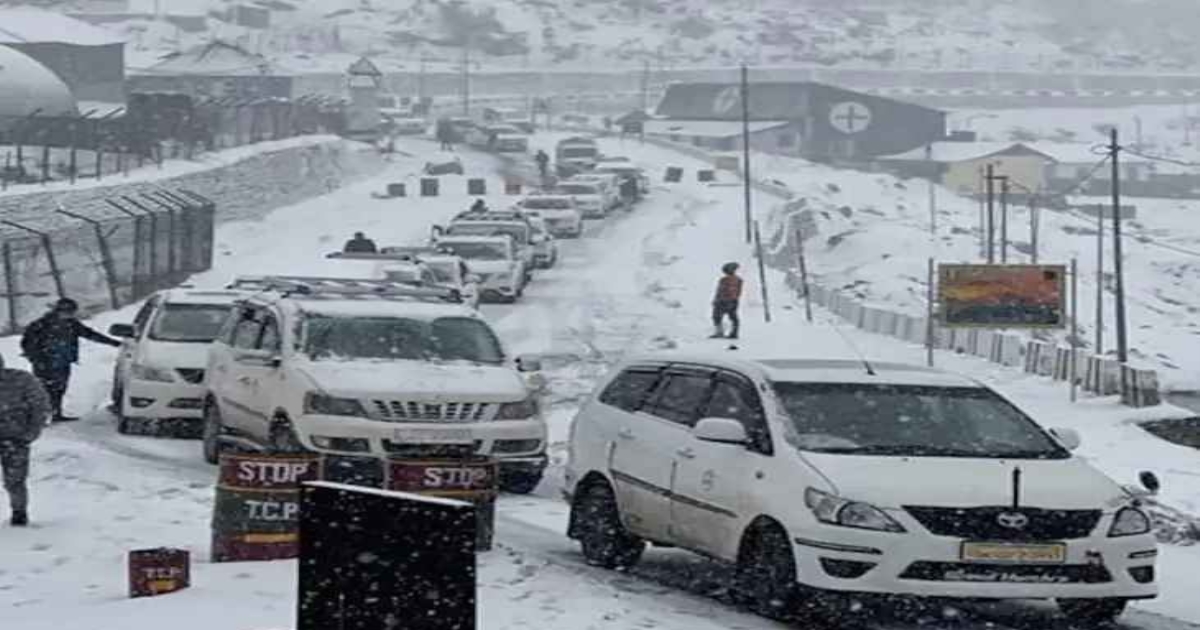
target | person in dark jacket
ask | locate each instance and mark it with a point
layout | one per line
(725, 302)
(24, 409)
(478, 206)
(543, 162)
(360, 244)
(51, 343)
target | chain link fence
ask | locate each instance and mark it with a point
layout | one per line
(105, 254)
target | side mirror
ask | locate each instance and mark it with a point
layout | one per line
(1149, 481)
(529, 363)
(260, 358)
(1069, 438)
(123, 331)
(721, 431)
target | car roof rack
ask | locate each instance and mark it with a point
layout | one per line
(385, 254)
(413, 251)
(490, 215)
(316, 287)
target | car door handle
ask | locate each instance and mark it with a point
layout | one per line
(686, 453)
(625, 434)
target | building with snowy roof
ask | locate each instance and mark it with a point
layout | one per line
(805, 119)
(89, 59)
(28, 87)
(217, 69)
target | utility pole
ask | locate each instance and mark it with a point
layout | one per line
(991, 214)
(1099, 279)
(746, 151)
(645, 84)
(1118, 264)
(1033, 228)
(932, 196)
(466, 78)
(421, 79)
(1004, 221)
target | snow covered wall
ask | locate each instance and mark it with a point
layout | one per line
(109, 245)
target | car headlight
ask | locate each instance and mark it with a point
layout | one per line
(518, 410)
(143, 372)
(838, 511)
(326, 405)
(1129, 521)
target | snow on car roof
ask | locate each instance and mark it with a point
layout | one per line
(203, 296)
(381, 308)
(817, 369)
(491, 240)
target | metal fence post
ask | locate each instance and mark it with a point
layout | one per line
(152, 273)
(55, 274)
(10, 287)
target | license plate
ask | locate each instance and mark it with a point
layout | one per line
(433, 436)
(1055, 553)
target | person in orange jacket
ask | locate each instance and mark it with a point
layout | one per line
(725, 302)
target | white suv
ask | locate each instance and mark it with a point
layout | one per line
(815, 476)
(493, 260)
(562, 216)
(159, 373)
(370, 369)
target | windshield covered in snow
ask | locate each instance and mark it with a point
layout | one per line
(329, 338)
(546, 203)
(476, 251)
(579, 189)
(189, 323)
(901, 420)
(516, 230)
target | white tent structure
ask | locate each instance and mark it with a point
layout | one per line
(27, 86)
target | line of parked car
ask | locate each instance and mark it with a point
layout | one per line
(387, 355)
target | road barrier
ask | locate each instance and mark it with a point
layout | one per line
(706, 175)
(397, 189)
(476, 481)
(429, 186)
(257, 511)
(674, 175)
(476, 186)
(158, 571)
(512, 188)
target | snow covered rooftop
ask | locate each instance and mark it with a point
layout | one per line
(1061, 152)
(29, 86)
(35, 26)
(706, 128)
(216, 58)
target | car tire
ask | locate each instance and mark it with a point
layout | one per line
(765, 577)
(1090, 613)
(282, 438)
(211, 433)
(602, 536)
(520, 482)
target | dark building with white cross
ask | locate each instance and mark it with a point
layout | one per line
(810, 120)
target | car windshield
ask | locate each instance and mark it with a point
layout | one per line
(443, 271)
(578, 152)
(579, 189)
(477, 251)
(547, 204)
(331, 338)
(902, 420)
(518, 232)
(189, 323)
(402, 274)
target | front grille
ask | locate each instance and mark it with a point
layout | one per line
(983, 523)
(193, 376)
(1007, 574)
(414, 411)
(432, 451)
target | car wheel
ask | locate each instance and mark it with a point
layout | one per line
(213, 429)
(1089, 613)
(283, 437)
(603, 538)
(765, 579)
(520, 482)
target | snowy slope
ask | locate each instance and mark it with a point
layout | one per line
(639, 281)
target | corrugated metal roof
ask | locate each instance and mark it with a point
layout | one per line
(35, 26)
(216, 58)
(29, 86)
(707, 128)
(768, 100)
(1060, 152)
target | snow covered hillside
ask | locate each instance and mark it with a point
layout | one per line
(638, 281)
(310, 34)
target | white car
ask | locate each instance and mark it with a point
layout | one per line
(560, 212)
(610, 185)
(545, 249)
(838, 477)
(447, 270)
(511, 224)
(589, 197)
(494, 262)
(626, 171)
(159, 374)
(403, 265)
(410, 126)
(370, 370)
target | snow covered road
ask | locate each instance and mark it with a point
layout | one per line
(636, 282)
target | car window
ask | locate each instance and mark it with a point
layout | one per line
(681, 397)
(248, 330)
(271, 340)
(143, 315)
(629, 389)
(735, 398)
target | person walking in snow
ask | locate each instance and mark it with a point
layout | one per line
(360, 244)
(543, 162)
(725, 302)
(51, 343)
(24, 410)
